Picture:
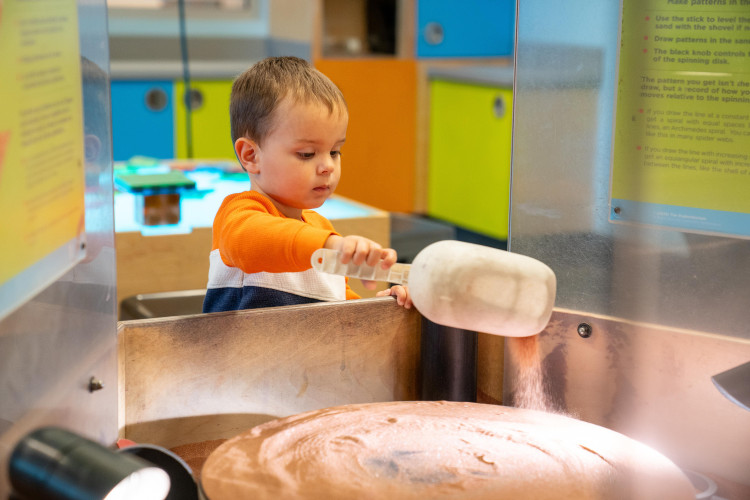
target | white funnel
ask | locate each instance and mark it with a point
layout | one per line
(467, 286)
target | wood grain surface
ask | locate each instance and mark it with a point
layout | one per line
(210, 376)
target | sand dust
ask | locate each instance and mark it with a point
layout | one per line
(438, 450)
(529, 390)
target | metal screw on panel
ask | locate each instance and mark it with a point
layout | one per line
(95, 384)
(584, 330)
(617, 210)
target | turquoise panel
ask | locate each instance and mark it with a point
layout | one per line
(477, 28)
(142, 119)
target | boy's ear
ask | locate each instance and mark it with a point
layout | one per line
(248, 154)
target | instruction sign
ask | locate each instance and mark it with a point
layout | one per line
(682, 129)
(41, 147)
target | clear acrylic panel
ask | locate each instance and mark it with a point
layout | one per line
(662, 310)
(53, 345)
(565, 90)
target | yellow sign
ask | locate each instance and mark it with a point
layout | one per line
(41, 133)
(682, 131)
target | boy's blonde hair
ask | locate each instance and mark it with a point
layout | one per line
(257, 92)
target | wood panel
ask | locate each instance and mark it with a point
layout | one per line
(380, 152)
(335, 20)
(211, 376)
(344, 23)
(149, 264)
(490, 362)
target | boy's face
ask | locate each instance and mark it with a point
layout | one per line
(299, 164)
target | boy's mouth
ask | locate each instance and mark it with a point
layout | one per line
(321, 189)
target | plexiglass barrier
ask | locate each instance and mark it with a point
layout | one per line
(619, 168)
(565, 91)
(58, 362)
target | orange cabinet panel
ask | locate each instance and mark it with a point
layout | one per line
(379, 155)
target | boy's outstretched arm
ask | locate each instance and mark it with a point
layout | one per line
(359, 250)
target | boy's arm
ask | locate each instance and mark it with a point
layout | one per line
(252, 239)
(255, 241)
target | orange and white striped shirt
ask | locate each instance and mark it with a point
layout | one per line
(260, 258)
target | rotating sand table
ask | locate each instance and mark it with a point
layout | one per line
(405, 450)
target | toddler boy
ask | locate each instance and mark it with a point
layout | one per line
(288, 124)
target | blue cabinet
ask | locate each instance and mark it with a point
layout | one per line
(142, 119)
(472, 28)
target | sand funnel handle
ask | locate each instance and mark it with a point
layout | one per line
(328, 261)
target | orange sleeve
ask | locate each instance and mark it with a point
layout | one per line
(252, 235)
(350, 294)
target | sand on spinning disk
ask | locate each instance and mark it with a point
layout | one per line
(405, 450)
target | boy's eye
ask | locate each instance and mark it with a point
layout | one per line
(305, 155)
(335, 154)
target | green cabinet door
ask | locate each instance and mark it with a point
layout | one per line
(469, 162)
(211, 137)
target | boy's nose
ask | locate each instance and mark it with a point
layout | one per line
(326, 166)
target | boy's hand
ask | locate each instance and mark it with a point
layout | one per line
(401, 293)
(360, 250)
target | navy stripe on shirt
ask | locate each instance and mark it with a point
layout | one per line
(250, 297)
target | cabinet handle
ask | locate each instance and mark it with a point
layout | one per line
(156, 99)
(434, 33)
(195, 97)
(498, 106)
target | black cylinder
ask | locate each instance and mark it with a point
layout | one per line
(53, 463)
(449, 363)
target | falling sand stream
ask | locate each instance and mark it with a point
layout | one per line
(529, 387)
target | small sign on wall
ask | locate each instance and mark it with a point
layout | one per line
(682, 129)
(41, 147)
